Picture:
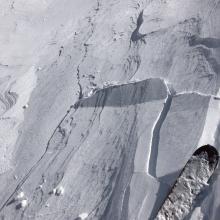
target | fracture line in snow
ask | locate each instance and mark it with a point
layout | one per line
(206, 137)
(153, 151)
(193, 92)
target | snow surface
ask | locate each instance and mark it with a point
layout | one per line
(118, 151)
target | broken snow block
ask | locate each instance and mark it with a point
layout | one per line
(83, 216)
(39, 68)
(53, 191)
(20, 196)
(25, 106)
(59, 191)
(22, 204)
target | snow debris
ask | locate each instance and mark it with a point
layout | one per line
(83, 216)
(39, 68)
(54, 191)
(90, 93)
(107, 84)
(20, 195)
(59, 191)
(25, 106)
(44, 180)
(23, 203)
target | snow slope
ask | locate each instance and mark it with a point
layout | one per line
(107, 99)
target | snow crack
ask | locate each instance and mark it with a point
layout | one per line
(156, 135)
